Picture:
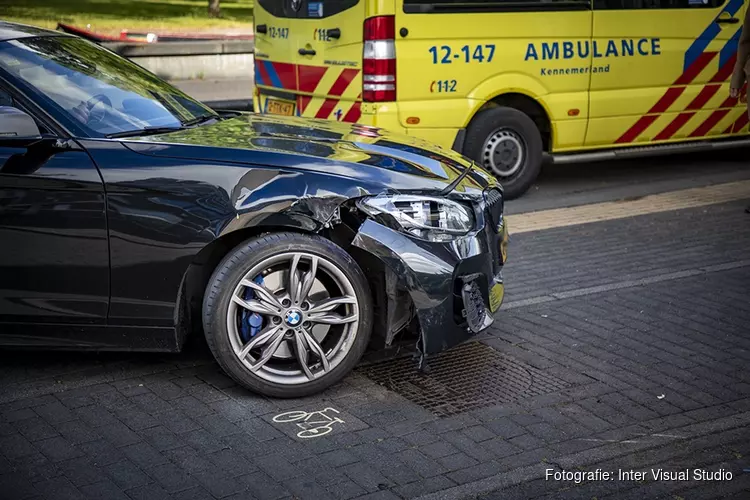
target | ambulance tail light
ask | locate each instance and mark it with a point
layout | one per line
(379, 60)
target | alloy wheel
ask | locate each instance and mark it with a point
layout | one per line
(292, 318)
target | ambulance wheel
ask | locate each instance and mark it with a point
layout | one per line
(507, 143)
(287, 314)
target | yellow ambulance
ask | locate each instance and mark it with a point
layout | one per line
(510, 83)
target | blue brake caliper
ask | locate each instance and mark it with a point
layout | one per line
(251, 323)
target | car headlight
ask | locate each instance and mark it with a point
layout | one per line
(432, 219)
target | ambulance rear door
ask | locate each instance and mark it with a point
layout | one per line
(324, 45)
(275, 57)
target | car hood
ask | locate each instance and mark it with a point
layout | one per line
(371, 155)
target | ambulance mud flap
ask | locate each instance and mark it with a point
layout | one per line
(428, 279)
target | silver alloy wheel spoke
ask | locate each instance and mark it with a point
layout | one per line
(332, 319)
(260, 338)
(256, 306)
(264, 293)
(316, 347)
(308, 279)
(331, 304)
(301, 349)
(268, 352)
(294, 282)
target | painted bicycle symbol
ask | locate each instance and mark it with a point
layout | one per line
(313, 424)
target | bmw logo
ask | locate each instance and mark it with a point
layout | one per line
(293, 317)
(296, 4)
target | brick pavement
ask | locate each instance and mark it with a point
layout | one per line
(655, 375)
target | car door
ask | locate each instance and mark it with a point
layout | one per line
(54, 255)
(663, 70)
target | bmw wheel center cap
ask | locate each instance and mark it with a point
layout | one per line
(293, 317)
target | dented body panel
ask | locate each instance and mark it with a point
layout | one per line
(171, 197)
(432, 274)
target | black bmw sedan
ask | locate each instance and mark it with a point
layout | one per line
(132, 215)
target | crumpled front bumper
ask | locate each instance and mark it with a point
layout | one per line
(440, 278)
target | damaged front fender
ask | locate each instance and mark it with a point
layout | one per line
(434, 275)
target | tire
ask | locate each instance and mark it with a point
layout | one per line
(511, 128)
(282, 375)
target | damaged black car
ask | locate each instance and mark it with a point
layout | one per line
(132, 215)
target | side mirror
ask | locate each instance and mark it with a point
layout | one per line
(15, 124)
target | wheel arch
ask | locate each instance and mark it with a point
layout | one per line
(534, 108)
(188, 309)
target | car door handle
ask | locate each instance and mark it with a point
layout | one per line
(307, 52)
(728, 20)
(261, 28)
(334, 33)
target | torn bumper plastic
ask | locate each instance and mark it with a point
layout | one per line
(455, 286)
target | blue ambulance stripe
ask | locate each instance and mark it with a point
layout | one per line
(730, 49)
(708, 36)
(258, 76)
(275, 81)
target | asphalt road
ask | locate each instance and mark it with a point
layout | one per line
(623, 348)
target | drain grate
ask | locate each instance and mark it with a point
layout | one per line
(467, 377)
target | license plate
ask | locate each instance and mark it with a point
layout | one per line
(497, 293)
(504, 241)
(275, 107)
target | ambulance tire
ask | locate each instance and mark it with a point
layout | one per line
(508, 144)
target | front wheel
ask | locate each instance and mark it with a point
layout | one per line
(287, 314)
(506, 142)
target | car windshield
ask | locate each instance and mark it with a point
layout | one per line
(95, 89)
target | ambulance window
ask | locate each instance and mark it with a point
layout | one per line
(656, 4)
(306, 9)
(468, 6)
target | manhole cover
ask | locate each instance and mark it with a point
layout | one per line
(464, 378)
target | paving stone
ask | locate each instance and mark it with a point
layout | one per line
(149, 492)
(35, 429)
(104, 489)
(423, 465)
(126, 475)
(527, 442)
(218, 484)
(505, 427)
(338, 458)
(144, 455)
(457, 461)
(58, 488)
(57, 449)
(55, 412)
(120, 434)
(305, 487)
(16, 486)
(367, 477)
(478, 433)
(81, 471)
(101, 452)
(77, 432)
(346, 490)
(232, 462)
(263, 487)
(199, 493)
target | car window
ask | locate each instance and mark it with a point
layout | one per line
(656, 4)
(306, 8)
(479, 6)
(96, 89)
